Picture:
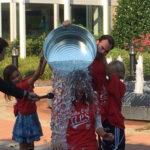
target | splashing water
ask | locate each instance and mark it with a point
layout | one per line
(61, 105)
(139, 76)
(64, 85)
(70, 65)
(109, 59)
(120, 58)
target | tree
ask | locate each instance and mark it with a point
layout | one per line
(132, 19)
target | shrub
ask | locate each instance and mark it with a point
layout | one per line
(34, 46)
(27, 67)
(123, 54)
(126, 59)
(132, 19)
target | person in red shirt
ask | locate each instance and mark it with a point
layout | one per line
(27, 128)
(110, 103)
(9, 88)
(99, 69)
(84, 117)
(110, 106)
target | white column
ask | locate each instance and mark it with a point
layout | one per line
(96, 23)
(22, 27)
(13, 23)
(111, 15)
(67, 10)
(0, 19)
(56, 15)
(105, 17)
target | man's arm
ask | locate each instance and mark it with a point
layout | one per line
(66, 23)
(11, 89)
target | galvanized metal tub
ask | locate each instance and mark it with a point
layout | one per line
(69, 48)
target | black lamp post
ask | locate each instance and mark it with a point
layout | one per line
(132, 54)
(15, 54)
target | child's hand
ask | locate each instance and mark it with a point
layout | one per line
(57, 146)
(108, 136)
(105, 135)
(66, 23)
(32, 96)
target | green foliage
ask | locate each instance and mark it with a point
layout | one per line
(34, 46)
(123, 54)
(27, 66)
(4, 63)
(126, 59)
(146, 64)
(132, 19)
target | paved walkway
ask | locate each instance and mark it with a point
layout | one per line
(137, 133)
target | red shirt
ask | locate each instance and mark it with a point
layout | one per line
(81, 128)
(110, 94)
(98, 80)
(116, 90)
(25, 106)
(98, 74)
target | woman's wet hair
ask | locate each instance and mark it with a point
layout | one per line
(82, 77)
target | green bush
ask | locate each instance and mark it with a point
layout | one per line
(126, 59)
(123, 54)
(146, 64)
(132, 19)
(34, 46)
(27, 67)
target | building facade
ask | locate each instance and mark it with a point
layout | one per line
(20, 19)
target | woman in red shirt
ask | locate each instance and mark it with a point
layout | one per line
(84, 118)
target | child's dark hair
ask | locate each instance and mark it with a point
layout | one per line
(118, 67)
(109, 38)
(83, 77)
(8, 72)
(6, 75)
(3, 44)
